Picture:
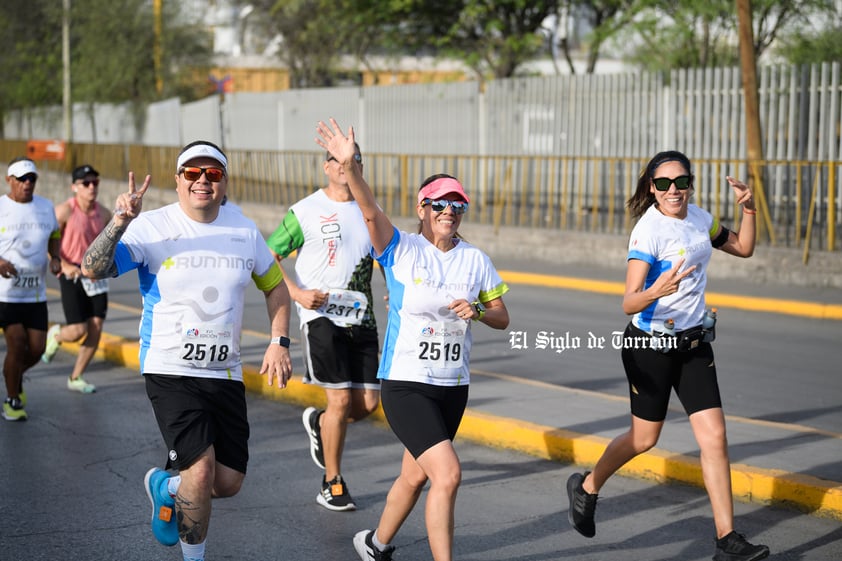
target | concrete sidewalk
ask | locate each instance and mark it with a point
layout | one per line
(771, 464)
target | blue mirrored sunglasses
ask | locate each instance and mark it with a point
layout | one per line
(459, 207)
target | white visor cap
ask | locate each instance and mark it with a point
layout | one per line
(201, 151)
(21, 168)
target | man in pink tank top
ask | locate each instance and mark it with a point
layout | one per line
(85, 302)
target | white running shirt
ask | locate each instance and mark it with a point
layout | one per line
(425, 341)
(334, 256)
(193, 278)
(25, 230)
(661, 241)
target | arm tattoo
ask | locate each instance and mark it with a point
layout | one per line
(99, 258)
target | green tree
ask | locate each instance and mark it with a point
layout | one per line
(684, 33)
(495, 37)
(606, 18)
(111, 43)
(310, 38)
(30, 40)
(775, 17)
(808, 45)
(703, 33)
(315, 34)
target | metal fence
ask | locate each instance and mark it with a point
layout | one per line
(585, 194)
(544, 152)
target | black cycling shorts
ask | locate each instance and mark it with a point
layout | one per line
(652, 375)
(422, 415)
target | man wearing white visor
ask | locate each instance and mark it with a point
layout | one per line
(194, 260)
(29, 244)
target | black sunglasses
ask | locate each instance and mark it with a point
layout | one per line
(682, 182)
(357, 157)
(31, 177)
(89, 182)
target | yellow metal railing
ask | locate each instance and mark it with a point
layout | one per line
(585, 194)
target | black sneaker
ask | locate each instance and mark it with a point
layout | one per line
(734, 547)
(335, 495)
(368, 551)
(310, 418)
(582, 505)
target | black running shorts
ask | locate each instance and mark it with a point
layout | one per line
(33, 315)
(78, 306)
(194, 414)
(340, 357)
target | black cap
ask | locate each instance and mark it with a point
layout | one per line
(82, 171)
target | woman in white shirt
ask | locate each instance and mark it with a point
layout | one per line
(439, 285)
(669, 250)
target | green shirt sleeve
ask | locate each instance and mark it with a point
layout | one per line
(287, 237)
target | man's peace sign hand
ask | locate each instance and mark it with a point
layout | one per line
(129, 204)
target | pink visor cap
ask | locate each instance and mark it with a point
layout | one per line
(442, 186)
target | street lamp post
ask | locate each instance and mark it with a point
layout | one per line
(159, 81)
(66, 105)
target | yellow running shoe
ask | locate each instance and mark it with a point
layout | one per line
(80, 385)
(13, 409)
(52, 344)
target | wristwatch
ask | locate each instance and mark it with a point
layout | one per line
(282, 341)
(480, 309)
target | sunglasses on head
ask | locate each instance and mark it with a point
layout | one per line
(31, 177)
(193, 173)
(357, 157)
(682, 182)
(459, 207)
(89, 182)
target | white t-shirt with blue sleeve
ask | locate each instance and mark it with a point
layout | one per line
(662, 241)
(424, 340)
(193, 279)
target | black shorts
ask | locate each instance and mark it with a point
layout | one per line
(340, 357)
(33, 315)
(652, 375)
(78, 306)
(422, 415)
(196, 413)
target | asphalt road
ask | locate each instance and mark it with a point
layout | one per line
(772, 367)
(73, 472)
(73, 491)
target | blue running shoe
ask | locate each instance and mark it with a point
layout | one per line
(164, 525)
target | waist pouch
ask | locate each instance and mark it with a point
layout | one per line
(683, 341)
(689, 339)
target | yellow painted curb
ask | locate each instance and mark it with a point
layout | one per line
(811, 494)
(789, 307)
(749, 484)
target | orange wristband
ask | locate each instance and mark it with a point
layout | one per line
(747, 211)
